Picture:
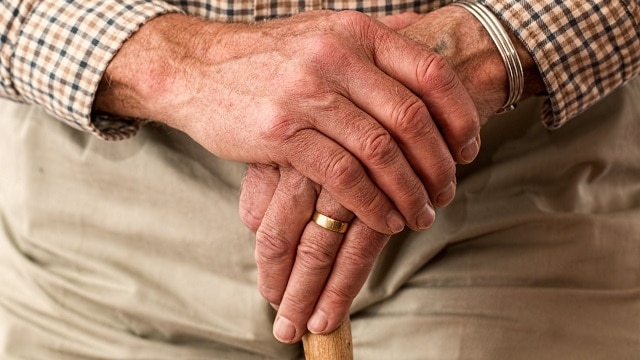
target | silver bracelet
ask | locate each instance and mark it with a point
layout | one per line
(505, 47)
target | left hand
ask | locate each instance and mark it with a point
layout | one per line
(310, 274)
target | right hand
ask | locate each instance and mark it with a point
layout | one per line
(338, 96)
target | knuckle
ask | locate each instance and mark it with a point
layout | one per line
(342, 171)
(373, 203)
(364, 27)
(360, 259)
(278, 124)
(410, 116)
(363, 256)
(339, 297)
(379, 147)
(437, 75)
(271, 247)
(326, 45)
(345, 175)
(298, 304)
(315, 257)
(354, 18)
(463, 128)
(320, 46)
(414, 194)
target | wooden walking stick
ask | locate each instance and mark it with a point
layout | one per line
(333, 346)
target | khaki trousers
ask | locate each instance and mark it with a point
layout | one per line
(134, 249)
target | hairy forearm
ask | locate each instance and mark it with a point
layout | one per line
(142, 79)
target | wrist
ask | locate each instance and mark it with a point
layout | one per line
(147, 78)
(463, 40)
(507, 51)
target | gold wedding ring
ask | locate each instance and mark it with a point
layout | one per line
(329, 223)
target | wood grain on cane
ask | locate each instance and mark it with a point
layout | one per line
(333, 346)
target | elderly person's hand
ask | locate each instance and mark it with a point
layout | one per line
(303, 267)
(312, 274)
(337, 96)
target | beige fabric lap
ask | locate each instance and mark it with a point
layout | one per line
(124, 250)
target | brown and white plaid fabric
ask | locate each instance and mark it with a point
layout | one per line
(584, 48)
(254, 10)
(53, 52)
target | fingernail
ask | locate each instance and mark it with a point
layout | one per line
(395, 221)
(445, 197)
(426, 217)
(284, 330)
(470, 151)
(318, 322)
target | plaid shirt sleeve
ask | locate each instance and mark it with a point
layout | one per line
(584, 48)
(53, 54)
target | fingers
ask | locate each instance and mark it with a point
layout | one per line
(314, 259)
(258, 186)
(305, 270)
(410, 124)
(385, 162)
(453, 109)
(359, 250)
(430, 76)
(342, 174)
(322, 288)
(277, 238)
(432, 140)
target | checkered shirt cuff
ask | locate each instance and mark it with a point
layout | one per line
(62, 53)
(584, 48)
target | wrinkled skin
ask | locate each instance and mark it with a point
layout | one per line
(312, 275)
(338, 112)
